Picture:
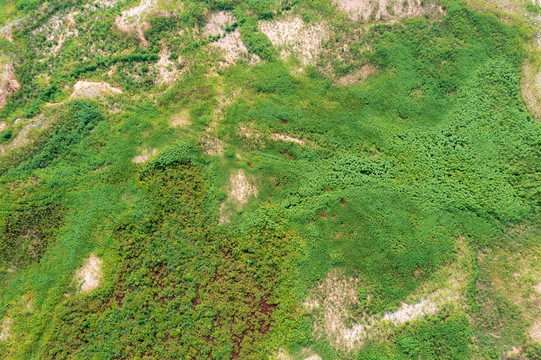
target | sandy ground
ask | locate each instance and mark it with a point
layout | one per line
(167, 71)
(383, 10)
(8, 83)
(145, 156)
(358, 76)
(24, 136)
(230, 44)
(292, 36)
(5, 329)
(89, 89)
(88, 277)
(182, 118)
(330, 303)
(240, 189)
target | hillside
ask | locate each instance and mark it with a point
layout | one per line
(270, 179)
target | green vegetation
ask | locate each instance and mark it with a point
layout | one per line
(381, 179)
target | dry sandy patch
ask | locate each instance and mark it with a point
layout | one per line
(167, 72)
(330, 304)
(89, 89)
(88, 277)
(230, 44)
(358, 75)
(292, 36)
(8, 83)
(24, 136)
(240, 189)
(382, 10)
(182, 118)
(5, 329)
(145, 156)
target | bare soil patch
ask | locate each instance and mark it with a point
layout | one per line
(283, 137)
(5, 329)
(231, 46)
(135, 18)
(217, 23)
(3, 126)
(358, 76)
(89, 89)
(167, 71)
(530, 87)
(8, 82)
(88, 277)
(57, 30)
(24, 136)
(145, 156)
(240, 189)
(292, 36)
(180, 119)
(384, 10)
(332, 301)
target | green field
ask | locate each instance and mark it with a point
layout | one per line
(223, 202)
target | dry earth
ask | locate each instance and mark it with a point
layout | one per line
(88, 277)
(8, 83)
(358, 75)
(293, 37)
(180, 119)
(385, 10)
(240, 189)
(230, 44)
(145, 156)
(135, 18)
(167, 71)
(25, 135)
(5, 329)
(330, 304)
(58, 30)
(89, 89)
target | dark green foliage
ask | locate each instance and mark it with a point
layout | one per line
(27, 232)
(256, 41)
(86, 116)
(440, 338)
(273, 78)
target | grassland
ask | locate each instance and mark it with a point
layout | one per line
(255, 196)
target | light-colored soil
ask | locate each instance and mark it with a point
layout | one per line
(292, 36)
(135, 18)
(384, 10)
(330, 304)
(167, 71)
(145, 156)
(217, 23)
(282, 137)
(5, 329)
(3, 126)
(88, 277)
(89, 89)
(58, 29)
(358, 76)
(240, 189)
(24, 136)
(182, 118)
(8, 83)
(535, 330)
(213, 145)
(231, 46)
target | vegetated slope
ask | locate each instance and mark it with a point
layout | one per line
(291, 199)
